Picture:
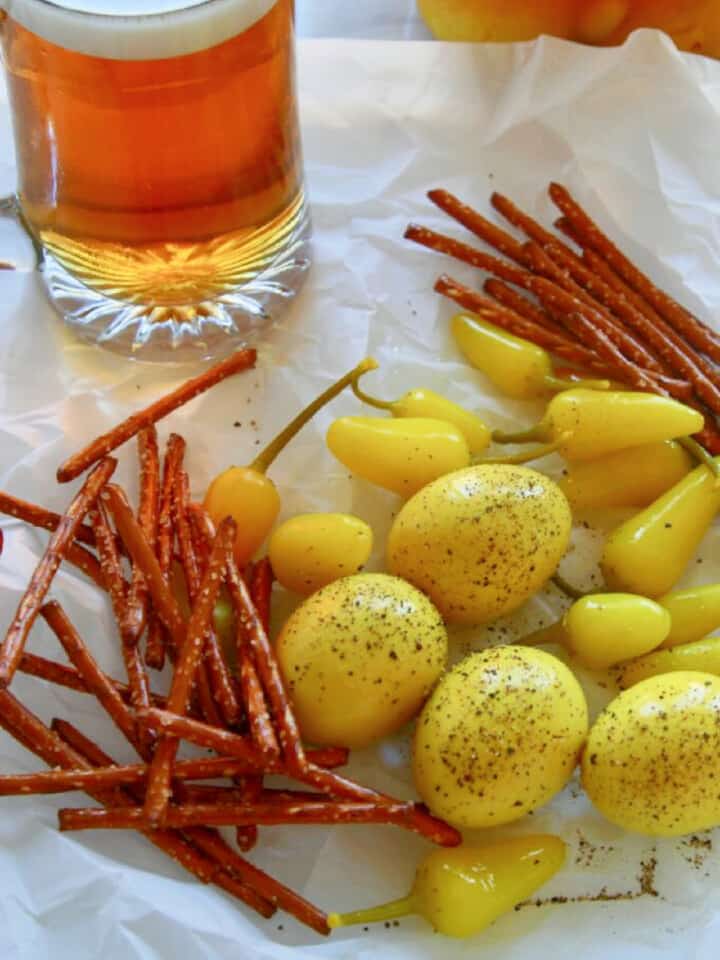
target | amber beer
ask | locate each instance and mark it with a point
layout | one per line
(157, 144)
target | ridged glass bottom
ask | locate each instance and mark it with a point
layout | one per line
(179, 302)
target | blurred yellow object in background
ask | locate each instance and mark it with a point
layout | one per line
(693, 24)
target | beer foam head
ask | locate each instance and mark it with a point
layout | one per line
(137, 29)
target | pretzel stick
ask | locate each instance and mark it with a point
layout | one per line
(218, 852)
(174, 454)
(467, 254)
(189, 656)
(77, 464)
(221, 683)
(344, 788)
(261, 727)
(142, 554)
(550, 273)
(251, 878)
(477, 224)
(551, 295)
(274, 891)
(260, 580)
(38, 516)
(212, 844)
(165, 604)
(46, 744)
(215, 768)
(12, 646)
(117, 589)
(679, 355)
(507, 297)
(684, 322)
(175, 726)
(669, 348)
(529, 226)
(261, 591)
(95, 680)
(135, 618)
(65, 781)
(252, 885)
(586, 328)
(181, 817)
(267, 668)
(63, 676)
(203, 530)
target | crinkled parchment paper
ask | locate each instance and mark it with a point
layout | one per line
(636, 133)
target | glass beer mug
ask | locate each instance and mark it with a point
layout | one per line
(159, 166)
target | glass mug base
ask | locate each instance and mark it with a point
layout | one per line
(207, 299)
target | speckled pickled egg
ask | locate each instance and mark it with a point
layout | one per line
(481, 541)
(500, 735)
(651, 760)
(359, 658)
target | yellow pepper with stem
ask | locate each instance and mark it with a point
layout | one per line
(603, 629)
(517, 367)
(428, 404)
(462, 891)
(248, 495)
(649, 552)
(627, 478)
(586, 424)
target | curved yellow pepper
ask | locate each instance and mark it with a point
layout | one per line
(649, 552)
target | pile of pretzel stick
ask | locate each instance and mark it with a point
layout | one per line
(586, 304)
(242, 714)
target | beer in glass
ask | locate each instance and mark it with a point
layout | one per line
(159, 165)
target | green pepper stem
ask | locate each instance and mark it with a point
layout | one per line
(567, 588)
(263, 460)
(539, 432)
(526, 455)
(557, 383)
(700, 454)
(371, 401)
(388, 911)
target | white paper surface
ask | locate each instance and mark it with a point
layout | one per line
(636, 133)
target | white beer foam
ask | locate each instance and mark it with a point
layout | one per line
(136, 29)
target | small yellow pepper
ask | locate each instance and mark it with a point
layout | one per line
(310, 550)
(702, 656)
(517, 367)
(399, 455)
(695, 613)
(627, 478)
(586, 424)
(603, 629)
(649, 552)
(428, 404)
(248, 495)
(462, 891)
